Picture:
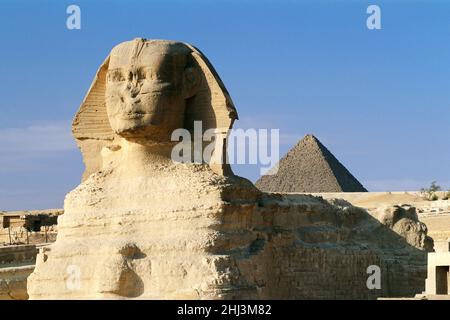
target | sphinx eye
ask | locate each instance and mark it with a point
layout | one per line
(116, 76)
(141, 74)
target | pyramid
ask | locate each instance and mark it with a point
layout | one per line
(310, 167)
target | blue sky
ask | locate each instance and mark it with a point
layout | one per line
(378, 99)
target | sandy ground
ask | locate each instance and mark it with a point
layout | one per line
(438, 226)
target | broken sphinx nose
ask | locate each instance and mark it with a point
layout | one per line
(134, 91)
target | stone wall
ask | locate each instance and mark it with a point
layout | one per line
(16, 264)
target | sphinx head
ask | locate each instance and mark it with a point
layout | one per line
(143, 91)
(148, 84)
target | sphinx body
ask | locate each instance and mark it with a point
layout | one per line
(149, 234)
(142, 226)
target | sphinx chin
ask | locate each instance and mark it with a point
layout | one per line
(129, 130)
(144, 133)
(135, 126)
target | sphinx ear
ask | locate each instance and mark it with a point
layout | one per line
(191, 81)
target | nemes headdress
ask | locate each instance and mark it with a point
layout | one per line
(210, 103)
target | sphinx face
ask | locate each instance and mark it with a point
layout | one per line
(145, 97)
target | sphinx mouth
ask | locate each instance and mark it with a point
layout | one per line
(133, 115)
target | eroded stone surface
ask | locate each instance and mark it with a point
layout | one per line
(403, 220)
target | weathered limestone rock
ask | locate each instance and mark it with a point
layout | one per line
(142, 226)
(404, 221)
(158, 68)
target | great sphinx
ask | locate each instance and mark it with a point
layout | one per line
(143, 226)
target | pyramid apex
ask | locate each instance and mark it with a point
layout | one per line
(308, 139)
(310, 136)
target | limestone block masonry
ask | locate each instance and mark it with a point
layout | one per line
(16, 264)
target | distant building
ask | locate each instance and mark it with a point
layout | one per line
(26, 227)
